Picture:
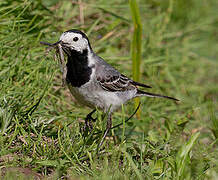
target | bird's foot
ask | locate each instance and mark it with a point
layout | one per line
(89, 122)
(109, 124)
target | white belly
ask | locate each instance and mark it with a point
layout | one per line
(95, 97)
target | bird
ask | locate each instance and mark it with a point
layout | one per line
(95, 83)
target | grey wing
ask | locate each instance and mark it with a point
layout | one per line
(111, 80)
(115, 83)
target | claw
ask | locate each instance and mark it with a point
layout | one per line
(89, 121)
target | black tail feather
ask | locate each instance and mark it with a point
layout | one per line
(140, 92)
(140, 84)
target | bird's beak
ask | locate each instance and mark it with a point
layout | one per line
(50, 44)
(55, 44)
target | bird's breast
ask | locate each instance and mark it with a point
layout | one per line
(78, 71)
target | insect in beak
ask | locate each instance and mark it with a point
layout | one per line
(59, 52)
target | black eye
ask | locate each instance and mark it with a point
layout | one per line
(75, 39)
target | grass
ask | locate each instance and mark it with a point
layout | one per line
(136, 45)
(41, 132)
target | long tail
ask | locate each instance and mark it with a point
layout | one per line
(143, 93)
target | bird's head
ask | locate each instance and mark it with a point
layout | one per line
(74, 40)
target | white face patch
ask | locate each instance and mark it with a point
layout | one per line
(75, 41)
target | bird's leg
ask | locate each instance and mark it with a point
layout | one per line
(88, 120)
(108, 127)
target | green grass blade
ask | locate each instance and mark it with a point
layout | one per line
(133, 165)
(213, 119)
(183, 156)
(136, 45)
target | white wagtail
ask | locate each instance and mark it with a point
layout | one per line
(95, 83)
